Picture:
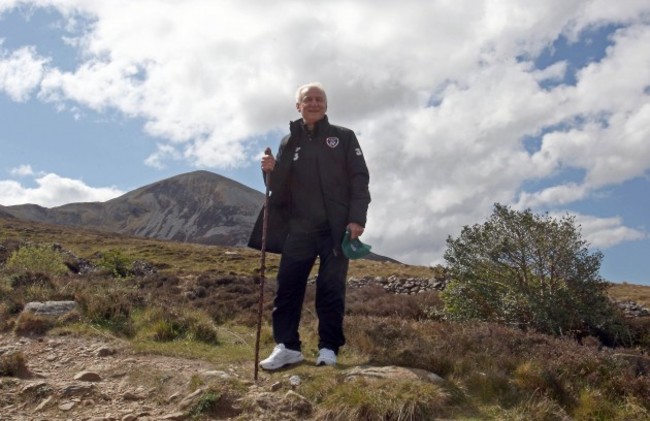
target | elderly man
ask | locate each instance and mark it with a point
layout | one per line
(319, 189)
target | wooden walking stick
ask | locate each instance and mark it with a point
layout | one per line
(260, 304)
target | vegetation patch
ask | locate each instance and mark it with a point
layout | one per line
(361, 399)
(37, 258)
(528, 354)
(163, 324)
(13, 364)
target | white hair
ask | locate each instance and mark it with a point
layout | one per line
(300, 93)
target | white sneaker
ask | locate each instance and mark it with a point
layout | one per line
(280, 357)
(326, 357)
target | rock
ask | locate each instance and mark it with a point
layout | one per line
(266, 400)
(141, 268)
(175, 416)
(36, 389)
(296, 403)
(174, 397)
(276, 386)
(130, 396)
(66, 406)
(77, 390)
(216, 373)
(295, 381)
(187, 400)
(88, 376)
(43, 404)
(104, 351)
(50, 308)
(393, 372)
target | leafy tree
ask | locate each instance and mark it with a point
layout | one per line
(532, 271)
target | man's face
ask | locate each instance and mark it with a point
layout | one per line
(313, 106)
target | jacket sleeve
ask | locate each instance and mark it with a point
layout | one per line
(277, 222)
(278, 182)
(359, 179)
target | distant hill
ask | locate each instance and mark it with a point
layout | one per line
(197, 207)
(4, 213)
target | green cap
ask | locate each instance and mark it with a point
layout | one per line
(354, 249)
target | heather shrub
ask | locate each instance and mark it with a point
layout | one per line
(640, 331)
(37, 258)
(115, 263)
(109, 306)
(373, 300)
(5, 317)
(206, 404)
(227, 298)
(508, 367)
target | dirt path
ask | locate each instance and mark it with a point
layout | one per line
(76, 378)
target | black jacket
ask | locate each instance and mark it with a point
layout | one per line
(344, 183)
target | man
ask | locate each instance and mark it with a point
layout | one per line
(318, 189)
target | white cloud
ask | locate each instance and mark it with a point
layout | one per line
(20, 72)
(607, 232)
(22, 171)
(207, 77)
(53, 190)
(163, 154)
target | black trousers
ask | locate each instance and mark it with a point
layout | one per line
(298, 258)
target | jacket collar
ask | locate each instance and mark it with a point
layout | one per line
(298, 126)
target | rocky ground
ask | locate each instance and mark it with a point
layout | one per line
(100, 379)
(83, 378)
(74, 378)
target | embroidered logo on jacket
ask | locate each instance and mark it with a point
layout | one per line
(358, 151)
(295, 153)
(332, 142)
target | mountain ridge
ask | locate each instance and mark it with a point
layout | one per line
(197, 207)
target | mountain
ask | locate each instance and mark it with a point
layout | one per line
(197, 207)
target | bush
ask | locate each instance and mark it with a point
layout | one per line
(37, 258)
(115, 263)
(531, 271)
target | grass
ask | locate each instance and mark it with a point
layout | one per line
(177, 258)
(13, 364)
(202, 304)
(637, 293)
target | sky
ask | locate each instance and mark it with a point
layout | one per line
(457, 105)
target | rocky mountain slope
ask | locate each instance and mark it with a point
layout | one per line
(197, 207)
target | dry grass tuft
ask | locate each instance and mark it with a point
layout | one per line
(13, 364)
(361, 399)
(31, 324)
(169, 324)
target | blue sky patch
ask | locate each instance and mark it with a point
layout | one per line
(591, 47)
